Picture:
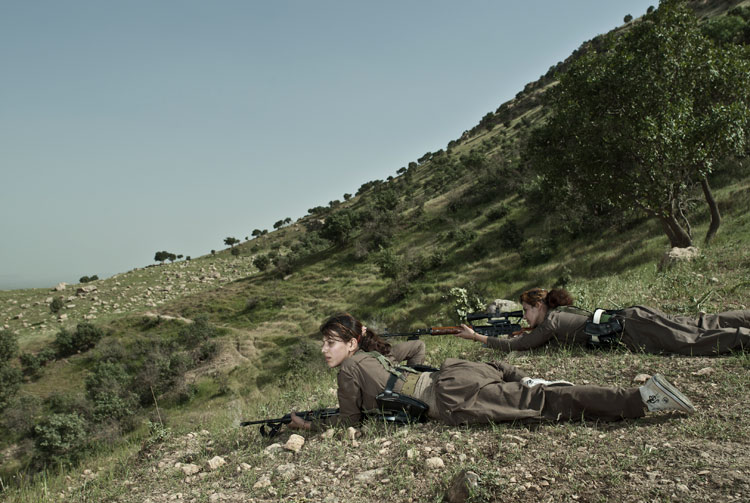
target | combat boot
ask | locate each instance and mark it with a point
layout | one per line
(659, 394)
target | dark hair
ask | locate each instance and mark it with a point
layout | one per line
(554, 298)
(346, 327)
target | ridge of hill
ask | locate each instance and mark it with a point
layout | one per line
(434, 240)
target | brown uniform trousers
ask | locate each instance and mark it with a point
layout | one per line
(470, 392)
(645, 330)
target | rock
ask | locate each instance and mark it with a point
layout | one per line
(352, 433)
(245, 466)
(641, 378)
(60, 287)
(190, 469)
(62, 317)
(273, 449)
(412, 453)
(328, 433)
(704, 371)
(369, 476)
(215, 463)
(263, 482)
(286, 471)
(683, 488)
(502, 306)
(462, 485)
(294, 443)
(434, 463)
(678, 255)
(83, 290)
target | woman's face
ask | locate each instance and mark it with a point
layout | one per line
(335, 350)
(534, 314)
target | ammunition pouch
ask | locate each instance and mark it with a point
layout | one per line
(604, 330)
(399, 408)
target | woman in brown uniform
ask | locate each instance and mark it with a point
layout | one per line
(644, 329)
(464, 392)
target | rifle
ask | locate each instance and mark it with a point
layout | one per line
(274, 425)
(498, 324)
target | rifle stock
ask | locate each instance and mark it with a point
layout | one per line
(271, 427)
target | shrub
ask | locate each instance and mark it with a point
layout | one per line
(56, 304)
(262, 262)
(108, 387)
(19, 418)
(84, 338)
(235, 252)
(197, 332)
(60, 437)
(10, 377)
(511, 236)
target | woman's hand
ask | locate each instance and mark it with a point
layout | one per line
(467, 333)
(298, 423)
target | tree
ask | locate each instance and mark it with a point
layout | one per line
(643, 120)
(628, 18)
(231, 241)
(338, 227)
(161, 256)
(278, 224)
(10, 377)
(287, 221)
(256, 233)
(347, 196)
(262, 262)
(235, 252)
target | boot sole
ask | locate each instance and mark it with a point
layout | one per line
(673, 393)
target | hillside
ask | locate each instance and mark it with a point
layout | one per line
(191, 348)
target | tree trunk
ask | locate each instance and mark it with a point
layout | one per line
(676, 234)
(714, 208)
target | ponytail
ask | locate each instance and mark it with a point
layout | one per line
(346, 327)
(552, 299)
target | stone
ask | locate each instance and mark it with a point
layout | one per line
(704, 371)
(369, 476)
(263, 482)
(294, 443)
(678, 255)
(190, 469)
(461, 487)
(352, 433)
(641, 378)
(215, 463)
(502, 306)
(286, 471)
(245, 466)
(434, 463)
(273, 449)
(60, 287)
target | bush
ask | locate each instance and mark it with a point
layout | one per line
(511, 236)
(84, 338)
(60, 437)
(262, 262)
(56, 304)
(197, 332)
(10, 377)
(19, 418)
(108, 388)
(88, 279)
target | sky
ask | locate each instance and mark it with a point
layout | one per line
(137, 126)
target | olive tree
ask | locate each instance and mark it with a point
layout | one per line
(642, 120)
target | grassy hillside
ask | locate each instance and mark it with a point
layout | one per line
(206, 343)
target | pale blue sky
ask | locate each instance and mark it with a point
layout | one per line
(142, 125)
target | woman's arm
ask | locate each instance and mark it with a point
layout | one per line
(529, 340)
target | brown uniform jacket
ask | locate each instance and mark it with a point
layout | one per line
(644, 330)
(558, 328)
(470, 392)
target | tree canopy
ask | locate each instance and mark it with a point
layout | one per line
(642, 120)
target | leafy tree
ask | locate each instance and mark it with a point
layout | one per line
(231, 241)
(261, 262)
(628, 18)
(56, 304)
(338, 227)
(161, 256)
(108, 388)
(235, 252)
(60, 437)
(278, 224)
(287, 221)
(643, 121)
(84, 338)
(347, 196)
(256, 233)
(10, 377)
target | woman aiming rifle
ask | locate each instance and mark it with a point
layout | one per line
(638, 328)
(464, 392)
